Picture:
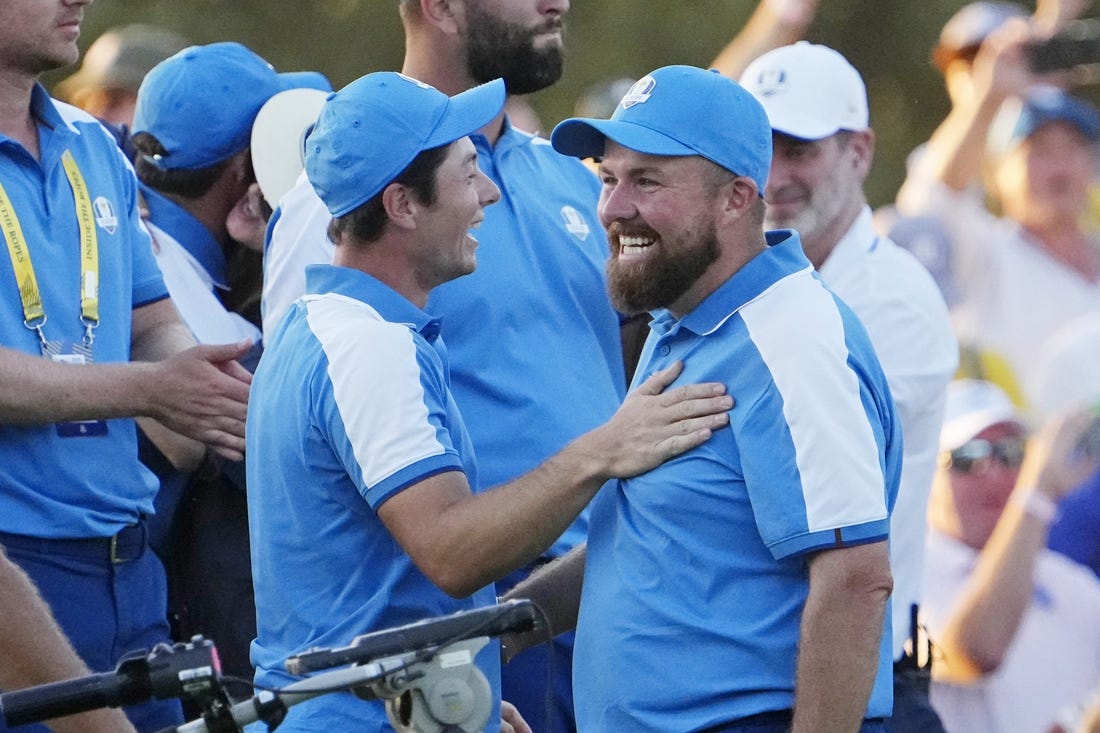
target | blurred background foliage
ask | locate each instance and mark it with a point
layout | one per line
(888, 41)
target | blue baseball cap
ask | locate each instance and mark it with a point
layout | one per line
(1050, 104)
(200, 103)
(681, 111)
(372, 129)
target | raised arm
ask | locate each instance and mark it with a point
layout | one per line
(774, 23)
(981, 628)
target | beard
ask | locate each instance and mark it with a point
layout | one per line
(660, 279)
(497, 49)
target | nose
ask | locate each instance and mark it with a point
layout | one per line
(555, 7)
(488, 192)
(615, 205)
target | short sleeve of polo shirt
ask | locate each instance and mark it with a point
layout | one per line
(382, 400)
(811, 443)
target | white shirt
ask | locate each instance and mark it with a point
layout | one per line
(1053, 662)
(192, 291)
(1011, 293)
(906, 317)
(298, 238)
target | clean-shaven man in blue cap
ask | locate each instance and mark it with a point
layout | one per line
(364, 502)
(742, 585)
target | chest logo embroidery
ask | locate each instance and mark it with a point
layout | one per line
(575, 223)
(105, 216)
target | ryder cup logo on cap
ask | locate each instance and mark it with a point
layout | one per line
(680, 111)
(639, 92)
(809, 91)
(200, 103)
(372, 129)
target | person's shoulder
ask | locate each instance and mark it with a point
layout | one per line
(904, 270)
(82, 122)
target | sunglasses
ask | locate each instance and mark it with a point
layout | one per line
(1009, 452)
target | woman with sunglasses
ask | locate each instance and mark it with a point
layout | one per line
(1015, 627)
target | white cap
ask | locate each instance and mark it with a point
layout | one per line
(809, 91)
(972, 406)
(278, 139)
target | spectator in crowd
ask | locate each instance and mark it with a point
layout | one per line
(1021, 276)
(758, 562)
(106, 84)
(192, 177)
(953, 56)
(534, 312)
(1013, 624)
(822, 148)
(89, 340)
(366, 505)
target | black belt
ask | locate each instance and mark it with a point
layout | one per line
(127, 544)
(770, 717)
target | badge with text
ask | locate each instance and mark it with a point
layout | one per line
(78, 428)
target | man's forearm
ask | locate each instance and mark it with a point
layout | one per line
(556, 590)
(34, 651)
(841, 633)
(37, 391)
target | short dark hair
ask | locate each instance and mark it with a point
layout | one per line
(367, 221)
(189, 183)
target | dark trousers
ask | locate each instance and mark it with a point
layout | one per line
(539, 680)
(912, 711)
(109, 600)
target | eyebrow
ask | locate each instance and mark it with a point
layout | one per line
(636, 171)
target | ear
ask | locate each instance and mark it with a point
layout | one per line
(440, 13)
(401, 208)
(737, 195)
(240, 167)
(863, 145)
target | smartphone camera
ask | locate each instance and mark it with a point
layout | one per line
(1078, 44)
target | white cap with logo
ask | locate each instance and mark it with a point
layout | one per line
(809, 91)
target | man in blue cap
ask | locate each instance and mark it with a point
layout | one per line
(533, 338)
(742, 585)
(192, 177)
(365, 506)
(88, 340)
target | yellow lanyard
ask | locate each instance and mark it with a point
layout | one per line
(34, 315)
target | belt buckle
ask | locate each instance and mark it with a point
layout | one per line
(115, 559)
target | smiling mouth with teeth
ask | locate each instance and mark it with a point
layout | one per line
(633, 245)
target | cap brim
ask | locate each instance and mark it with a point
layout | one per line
(585, 138)
(278, 139)
(305, 80)
(467, 113)
(958, 431)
